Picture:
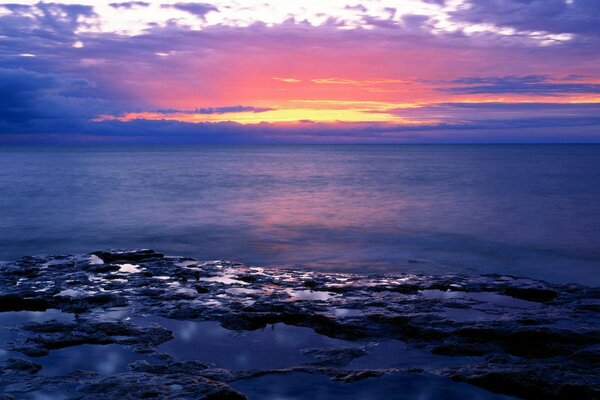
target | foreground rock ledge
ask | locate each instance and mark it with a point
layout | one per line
(525, 338)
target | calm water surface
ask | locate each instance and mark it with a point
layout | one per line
(530, 210)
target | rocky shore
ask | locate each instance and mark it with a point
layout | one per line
(501, 336)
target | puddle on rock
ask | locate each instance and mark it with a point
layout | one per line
(467, 315)
(13, 318)
(309, 295)
(129, 268)
(275, 346)
(243, 291)
(345, 312)
(490, 298)
(104, 359)
(224, 279)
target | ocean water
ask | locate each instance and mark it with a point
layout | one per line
(528, 210)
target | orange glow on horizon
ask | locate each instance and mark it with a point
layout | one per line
(331, 111)
(273, 116)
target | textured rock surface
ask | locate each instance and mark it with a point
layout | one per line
(522, 337)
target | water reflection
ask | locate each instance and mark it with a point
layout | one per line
(488, 298)
(276, 346)
(309, 295)
(104, 359)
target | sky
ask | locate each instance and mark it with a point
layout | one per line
(284, 71)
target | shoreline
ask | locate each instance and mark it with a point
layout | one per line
(508, 335)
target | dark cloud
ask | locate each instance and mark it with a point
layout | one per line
(507, 115)
(28, 95)
(129, 4)
(554, 16)
(62, 19)
(528, 107)
(522, 85)
(216, 110)
(34, 102)
(357, 8)
(197, 9)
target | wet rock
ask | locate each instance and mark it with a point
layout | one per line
(531, 294)
(248, 278)
(102, 268)
(189, 367)
(201, 289)
(40, 383)
(338, 357)
(27, 272)
(126, 255)
(358, 376)
(173, 367)
(19, 365)
(10, 302)
(57, 335)
(310, 283)
(531, 381)
(248, 322)
(87, 303)
(524, 337)
(134, 386)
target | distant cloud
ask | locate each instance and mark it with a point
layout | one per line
(164, 131)
(55, 17)
(197, 9)
(130, 4)
(216, 110)
(288, 80)
(525, 85)
(365, 82)
(515, 113)
(28, 96)
(554, 16)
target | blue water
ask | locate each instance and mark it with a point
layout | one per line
(531, 210)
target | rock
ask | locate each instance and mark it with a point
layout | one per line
(201, 289)
(170, 386)
(358, 376)
(19, 365)
(10, 302)
(57, 335)
(173, 367)
(337, 356)
(524, 337)
(530, 381)
(102, 268)
(127, 255)
(531, 294)
(248, 322)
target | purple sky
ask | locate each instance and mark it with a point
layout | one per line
(424, 71)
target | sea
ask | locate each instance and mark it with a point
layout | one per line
(526, 210)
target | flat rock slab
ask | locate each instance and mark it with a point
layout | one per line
(509, 335)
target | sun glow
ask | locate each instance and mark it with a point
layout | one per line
(293, 115)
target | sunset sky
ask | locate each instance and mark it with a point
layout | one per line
(282, 71)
